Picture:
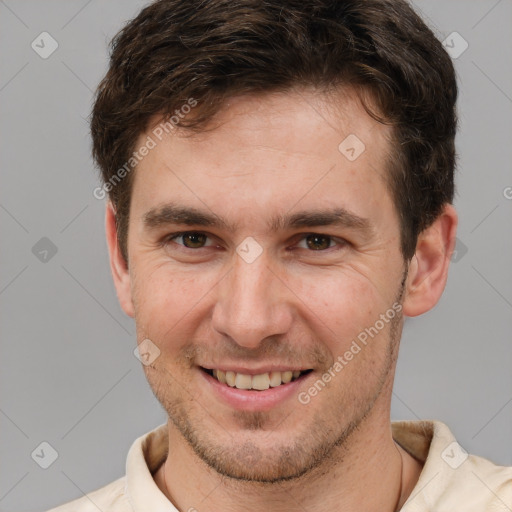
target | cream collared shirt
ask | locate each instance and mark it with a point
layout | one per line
(451, 480)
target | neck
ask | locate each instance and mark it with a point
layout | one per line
(369, 472)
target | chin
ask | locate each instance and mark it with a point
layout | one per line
(264, 455)
(250, 463)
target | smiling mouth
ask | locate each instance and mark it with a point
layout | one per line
(259, 382)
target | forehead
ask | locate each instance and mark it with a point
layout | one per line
(291, 121)
(268, 154)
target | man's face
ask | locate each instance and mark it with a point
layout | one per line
(301, 254)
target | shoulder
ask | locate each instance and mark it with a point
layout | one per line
(452, 479)
(111, 498)
(136, 491)
(477, 485)
(486, 485)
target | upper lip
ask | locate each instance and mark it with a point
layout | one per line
(254, 371)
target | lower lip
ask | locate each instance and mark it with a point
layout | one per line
(251, 400)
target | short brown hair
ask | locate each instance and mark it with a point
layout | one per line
(212, 50)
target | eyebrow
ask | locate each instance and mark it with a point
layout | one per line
(190, 216)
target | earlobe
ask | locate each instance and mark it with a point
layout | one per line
(118, 265)
(428, 269)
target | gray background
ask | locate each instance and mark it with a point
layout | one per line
(68, 373)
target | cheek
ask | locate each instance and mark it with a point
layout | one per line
(341, 304)
(168, 301)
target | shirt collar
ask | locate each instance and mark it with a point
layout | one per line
(419, 438)
(146, 455)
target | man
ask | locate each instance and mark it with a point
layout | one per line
(280, 180)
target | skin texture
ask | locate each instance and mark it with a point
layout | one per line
(295, 306)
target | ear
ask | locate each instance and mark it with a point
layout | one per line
(428, 269)
(118, 265)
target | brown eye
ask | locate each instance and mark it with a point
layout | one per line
(318, 242)
(193, 240)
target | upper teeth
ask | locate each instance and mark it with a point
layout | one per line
(260, 382)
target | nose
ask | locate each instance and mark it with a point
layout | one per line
(252, 304)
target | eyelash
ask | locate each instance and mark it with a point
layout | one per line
(172, 237)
